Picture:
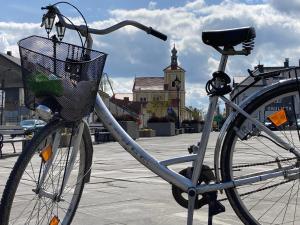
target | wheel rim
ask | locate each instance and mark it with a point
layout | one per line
(29, 207)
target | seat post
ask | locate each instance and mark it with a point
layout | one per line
(223, 63)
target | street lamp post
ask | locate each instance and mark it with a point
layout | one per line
(2, 100)
(177, 83)
(3, 92)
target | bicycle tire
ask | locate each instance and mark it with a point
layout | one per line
(11, 212)
(272, 201)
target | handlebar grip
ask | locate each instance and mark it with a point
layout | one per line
(157, 34)
(46, 7)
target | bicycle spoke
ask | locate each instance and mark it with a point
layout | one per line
(274, 203)
(288, 203)
(295, 210)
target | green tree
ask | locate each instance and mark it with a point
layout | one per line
(157, 108)
(197, 114)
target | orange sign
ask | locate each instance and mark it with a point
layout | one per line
(46, 153)
(54, 221)
(278, 118)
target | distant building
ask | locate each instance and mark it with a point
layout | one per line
(163, 91)
(11, 86)
(240, 82)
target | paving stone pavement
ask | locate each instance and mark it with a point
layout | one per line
(122, 191)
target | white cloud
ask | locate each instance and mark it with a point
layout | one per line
(196, 95)
(122, 85)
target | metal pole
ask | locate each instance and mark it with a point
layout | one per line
(2, 101)
(178, 118)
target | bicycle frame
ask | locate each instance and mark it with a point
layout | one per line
(160, 167)
(190, 185)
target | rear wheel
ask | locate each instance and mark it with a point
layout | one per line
(23, 202)
(247, 150)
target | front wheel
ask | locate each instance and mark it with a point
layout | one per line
(34, 193)
(247, 150)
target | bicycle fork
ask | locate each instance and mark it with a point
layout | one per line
(75, 145)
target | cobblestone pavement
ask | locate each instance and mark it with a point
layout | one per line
(122, 191)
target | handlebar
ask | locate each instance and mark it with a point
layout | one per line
(83, 29)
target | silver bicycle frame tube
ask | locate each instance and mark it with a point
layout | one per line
(213, 100)
(136, 150)
(203, 188)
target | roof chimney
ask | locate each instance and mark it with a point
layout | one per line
(286, 63)
(9, 53)
(260, 68)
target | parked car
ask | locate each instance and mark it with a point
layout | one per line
(32, 125)
(270, 125)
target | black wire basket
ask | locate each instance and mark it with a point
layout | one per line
(65, 73)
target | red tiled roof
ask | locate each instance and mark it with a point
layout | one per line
(124, 95)
(132, 106)
(148, 83)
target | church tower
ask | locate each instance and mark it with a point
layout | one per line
(174, 63)
(174, 75)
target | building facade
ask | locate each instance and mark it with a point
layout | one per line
(240, 83)
(13, 110)
(162, 96)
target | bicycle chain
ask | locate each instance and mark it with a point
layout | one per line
(262, 189)
(259, 164)
(263, 163)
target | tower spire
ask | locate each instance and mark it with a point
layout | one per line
(174, 63)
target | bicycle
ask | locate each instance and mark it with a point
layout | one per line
(46, 183)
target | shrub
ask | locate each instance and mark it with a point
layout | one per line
(160, 119)
(192, 121)
(125, 117)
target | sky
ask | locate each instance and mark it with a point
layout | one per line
(133, 53)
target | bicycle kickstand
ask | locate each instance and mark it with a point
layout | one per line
(214, 207)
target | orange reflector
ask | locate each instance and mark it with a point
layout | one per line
(46, 153)
(54, 221)
(278, 118)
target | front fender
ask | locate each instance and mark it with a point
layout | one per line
(89, 152)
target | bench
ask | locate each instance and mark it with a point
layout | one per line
(12, 141)
(100, 133)
(12, 131)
